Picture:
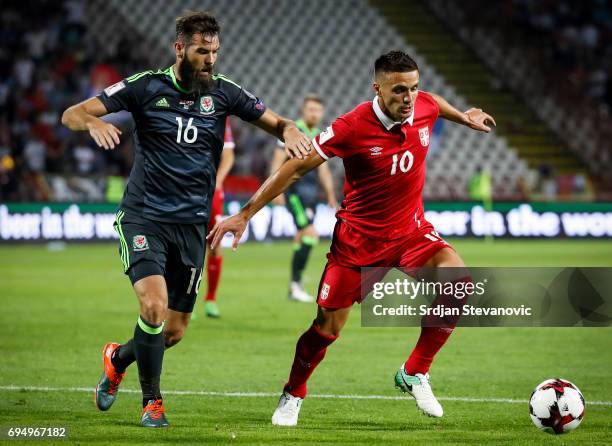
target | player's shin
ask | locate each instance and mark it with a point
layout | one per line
(309, 352)
(149, 350)
(435, 331)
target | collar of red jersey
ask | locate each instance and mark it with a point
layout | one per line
(387, 121)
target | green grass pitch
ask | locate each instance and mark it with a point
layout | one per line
(60, 307)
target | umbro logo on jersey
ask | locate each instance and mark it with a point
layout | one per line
(163, 102)
(207, 106)
(376, 151)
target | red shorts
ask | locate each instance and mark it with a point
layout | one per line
(342, 279)
(216, 209)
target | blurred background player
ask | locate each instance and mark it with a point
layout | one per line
(215, 256)
(302, 197)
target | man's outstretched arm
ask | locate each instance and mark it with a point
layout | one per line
(474, 118)
(297, 144)
(85, 116)
(327, 182)
(277, 161)
(276, 184)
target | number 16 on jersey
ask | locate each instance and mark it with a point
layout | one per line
(190, 134)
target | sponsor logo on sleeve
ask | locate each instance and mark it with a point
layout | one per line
(109, 91)
(326, 135)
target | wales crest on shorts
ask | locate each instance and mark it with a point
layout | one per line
(140, 243)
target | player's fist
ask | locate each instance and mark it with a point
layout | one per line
(479, 120)
(297, 145)
(236, 224)
(104, 134)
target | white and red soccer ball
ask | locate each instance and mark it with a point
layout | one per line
(556, 406)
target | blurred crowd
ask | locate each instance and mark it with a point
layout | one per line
(48, 62)
(574, 37)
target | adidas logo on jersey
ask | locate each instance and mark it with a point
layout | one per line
(163, 102)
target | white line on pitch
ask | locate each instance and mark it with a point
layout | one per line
(270, 394)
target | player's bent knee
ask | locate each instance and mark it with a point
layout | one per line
(448, 257)
(153, 310)
(331, 321)
(153, 298)
(153, 306)
(310, 236)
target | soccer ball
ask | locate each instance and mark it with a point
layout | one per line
(556, 406)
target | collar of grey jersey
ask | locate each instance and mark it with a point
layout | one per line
(170, 71)
(387, 121)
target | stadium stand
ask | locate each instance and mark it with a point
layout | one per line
(566, 79)
(279, 50)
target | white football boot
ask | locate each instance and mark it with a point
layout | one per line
(297, 293)
(418, 386)
(288, 410)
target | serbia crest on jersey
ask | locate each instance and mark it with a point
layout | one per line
(424, 136)
(384, 163)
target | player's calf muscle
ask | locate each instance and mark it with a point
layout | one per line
(173, 336)
(174, 329)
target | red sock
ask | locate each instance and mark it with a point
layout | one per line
(431, 340)
(213, 270)
(434, 333)
(309, 352)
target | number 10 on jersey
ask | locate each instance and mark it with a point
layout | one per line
(405, 162)
(189, 135)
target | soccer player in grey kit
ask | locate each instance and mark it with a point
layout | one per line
(180, 115)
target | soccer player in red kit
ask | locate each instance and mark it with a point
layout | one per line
(383, 144)
(215, 259)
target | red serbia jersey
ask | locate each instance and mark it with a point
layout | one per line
(384, 164)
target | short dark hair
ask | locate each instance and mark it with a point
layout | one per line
(194, 22)
(395, 61)
(314, 98)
